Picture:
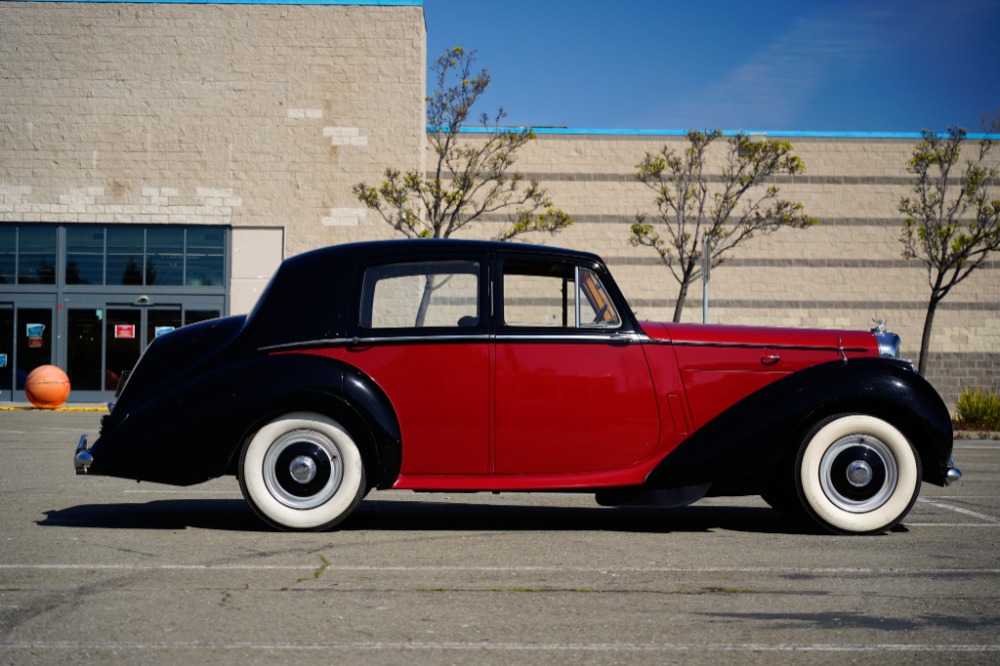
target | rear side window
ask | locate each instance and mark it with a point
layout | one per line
(439, 294)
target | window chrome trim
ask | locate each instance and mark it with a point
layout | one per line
(612, 338)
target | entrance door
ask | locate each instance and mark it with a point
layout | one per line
(6, 352)
(104, 340)
(26, 342)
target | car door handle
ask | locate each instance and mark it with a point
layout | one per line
(770, 359)
(619, 339)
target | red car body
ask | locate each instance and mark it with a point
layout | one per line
(477, 366)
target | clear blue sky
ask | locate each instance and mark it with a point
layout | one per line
(838, 65)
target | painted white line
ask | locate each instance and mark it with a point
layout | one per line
(964, 497)
(183, 492)
(964, 512)
(953, 525)
(835, 571)
(509, 647)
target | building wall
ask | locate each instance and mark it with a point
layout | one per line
(841, 273)
(257, 116)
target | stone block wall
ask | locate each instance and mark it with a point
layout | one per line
(247, 115)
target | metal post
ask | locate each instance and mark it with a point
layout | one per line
(706, 267)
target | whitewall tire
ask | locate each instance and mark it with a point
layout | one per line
(302, 471)
(857, 474)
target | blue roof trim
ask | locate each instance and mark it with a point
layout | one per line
(771, 133)
(346, 3)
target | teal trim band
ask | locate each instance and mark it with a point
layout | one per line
(344, 3)
(769, 133)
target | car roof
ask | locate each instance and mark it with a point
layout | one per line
(364, 250)
(310, 295)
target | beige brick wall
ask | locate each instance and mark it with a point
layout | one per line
(243, 115)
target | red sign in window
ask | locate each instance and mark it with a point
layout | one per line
(125, 331)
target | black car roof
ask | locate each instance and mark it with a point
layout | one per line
(309, 297)
(367, 249)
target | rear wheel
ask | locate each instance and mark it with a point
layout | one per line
(302, 471)
(857, 474)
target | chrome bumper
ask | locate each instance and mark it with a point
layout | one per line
(82, 460)
(951, 475)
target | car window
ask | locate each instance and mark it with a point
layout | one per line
(421, 294)
(553, 294)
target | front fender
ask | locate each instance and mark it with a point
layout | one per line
(750, 437)
(193, 431)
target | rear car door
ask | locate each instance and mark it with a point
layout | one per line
(423, 338)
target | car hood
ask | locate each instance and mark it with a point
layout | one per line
(759, 336)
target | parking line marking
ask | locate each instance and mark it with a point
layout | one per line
(839, 571)
(508, 647)
(965, 512)
(182, 492)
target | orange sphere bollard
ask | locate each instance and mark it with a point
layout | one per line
(46, 386)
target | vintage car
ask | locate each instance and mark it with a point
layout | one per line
(467, 366)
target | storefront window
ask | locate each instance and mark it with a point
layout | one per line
(8, 255)
(205, 254)
(125, 255)
(85, 255)
(165, 256)
(36, 248)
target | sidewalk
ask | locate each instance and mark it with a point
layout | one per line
(68, 407)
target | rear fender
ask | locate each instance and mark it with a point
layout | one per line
(193, 431)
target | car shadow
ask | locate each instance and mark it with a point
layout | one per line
(431, 516)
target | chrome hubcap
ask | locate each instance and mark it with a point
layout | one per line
(858, 473)
(303, 469)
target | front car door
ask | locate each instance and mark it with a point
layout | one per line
(573, 391)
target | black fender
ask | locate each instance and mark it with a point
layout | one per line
(750, 438)
(193, 431)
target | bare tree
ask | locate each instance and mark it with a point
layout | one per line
(689, 208)
(952, 224)
(469, 178)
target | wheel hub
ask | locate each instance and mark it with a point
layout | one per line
(858, 473)
(303, 469)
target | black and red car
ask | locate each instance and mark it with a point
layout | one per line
(481, 366)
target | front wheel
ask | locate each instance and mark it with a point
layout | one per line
(857, 474)
(302, 471)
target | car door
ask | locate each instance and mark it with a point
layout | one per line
(423, 337)
(573, 392)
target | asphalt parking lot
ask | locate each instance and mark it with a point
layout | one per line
(100, 570)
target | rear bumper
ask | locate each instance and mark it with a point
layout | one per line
(82, 460)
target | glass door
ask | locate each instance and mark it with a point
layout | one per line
(26, 342)
(6, 352)
(105, 341)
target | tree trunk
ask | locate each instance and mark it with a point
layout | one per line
(425, 300)
(925, 339)
(681, 297)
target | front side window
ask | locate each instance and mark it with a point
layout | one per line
(442, 294)
(555, 295)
